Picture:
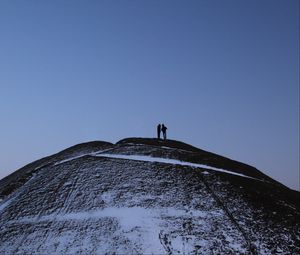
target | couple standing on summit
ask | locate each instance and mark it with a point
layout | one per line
(162, 128)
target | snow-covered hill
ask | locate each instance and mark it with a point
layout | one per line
(144, 196)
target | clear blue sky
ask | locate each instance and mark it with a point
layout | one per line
(222, 75)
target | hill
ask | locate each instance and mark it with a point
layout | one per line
(145, 196)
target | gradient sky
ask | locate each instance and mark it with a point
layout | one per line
(222, 75)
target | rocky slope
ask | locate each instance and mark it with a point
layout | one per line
(144, 196)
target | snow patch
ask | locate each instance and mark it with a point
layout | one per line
(170, 161)
(131, 215)
(138, 224)
(5, 204)
(80, 156)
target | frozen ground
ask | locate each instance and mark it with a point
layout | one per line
(125, 200)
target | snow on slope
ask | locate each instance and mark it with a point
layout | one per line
(94, 203)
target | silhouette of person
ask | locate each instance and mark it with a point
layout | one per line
(164, 131)
(158, 131)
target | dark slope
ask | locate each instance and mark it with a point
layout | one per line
(186, 152)
(79, 201)
(15, 180)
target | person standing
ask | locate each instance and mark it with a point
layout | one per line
(164, 131)
(158, 131)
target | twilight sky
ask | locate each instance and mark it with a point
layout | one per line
(222, 75)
